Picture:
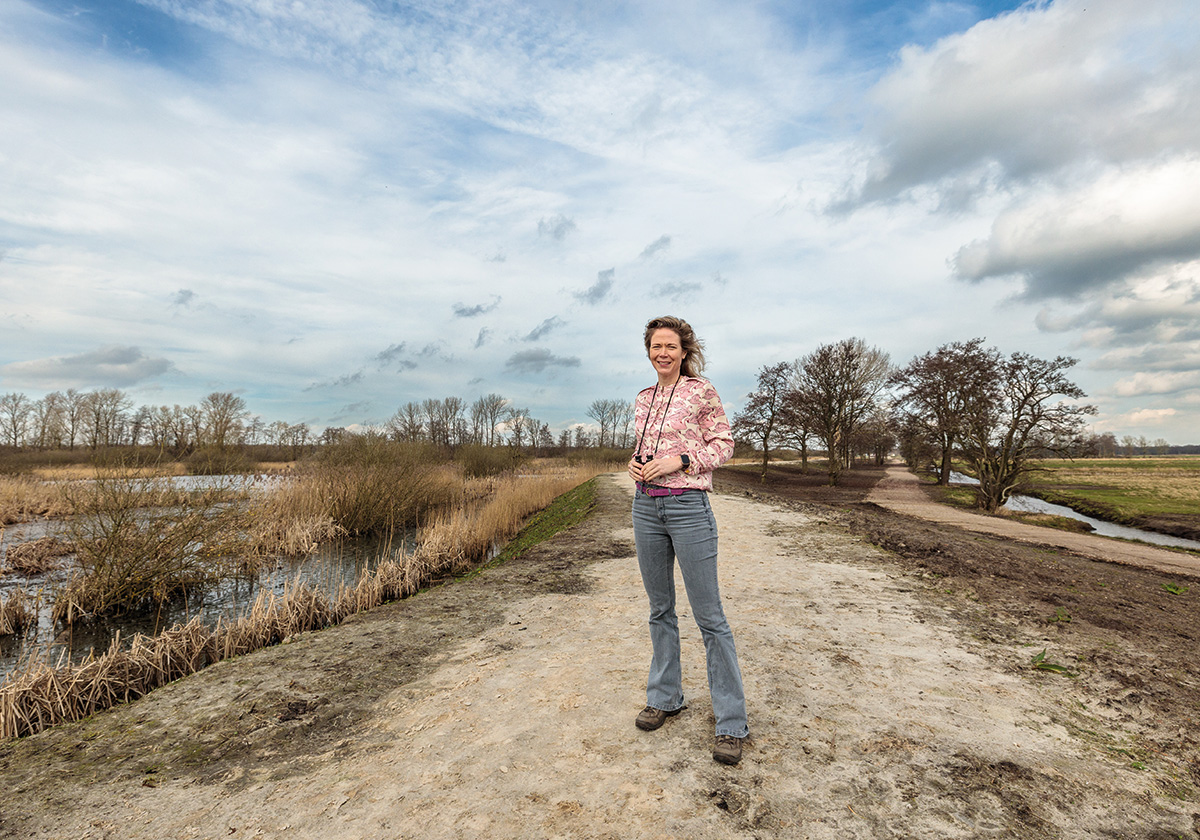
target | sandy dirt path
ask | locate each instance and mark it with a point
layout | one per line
(872, 716)
(901, 491)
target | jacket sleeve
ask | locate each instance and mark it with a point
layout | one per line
(716, 438)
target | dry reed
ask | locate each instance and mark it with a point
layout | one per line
(18, 612)
(40, 695)
(37, 556)
(23, 498)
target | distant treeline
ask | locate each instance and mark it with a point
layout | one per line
(106, 419)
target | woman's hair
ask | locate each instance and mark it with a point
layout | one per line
(693, 348)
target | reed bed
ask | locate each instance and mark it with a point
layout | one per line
(467, 534)
(40, 695)
(23, 498)
(78, 472)
(365, 485)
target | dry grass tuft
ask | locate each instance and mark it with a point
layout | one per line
(37, 557)
(18, 612)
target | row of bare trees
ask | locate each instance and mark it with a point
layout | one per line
(962, 401)
(832, 397)
(106, 418)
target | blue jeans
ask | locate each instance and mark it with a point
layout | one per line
(666, 528)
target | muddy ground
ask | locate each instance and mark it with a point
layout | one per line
(891, 693)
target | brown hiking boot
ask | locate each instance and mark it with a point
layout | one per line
(651, 718)
(727, 750)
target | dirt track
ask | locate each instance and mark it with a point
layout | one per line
(900, 491)
(502, 706)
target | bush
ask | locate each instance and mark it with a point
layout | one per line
(139, 543)
(484, 461)
(213, 461)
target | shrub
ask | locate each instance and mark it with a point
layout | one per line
(483, 461)
(132, 552)
(213, 461)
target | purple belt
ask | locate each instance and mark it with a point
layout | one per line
(651, 490)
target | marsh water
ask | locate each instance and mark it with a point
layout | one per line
(335, 563)
(1032, 504)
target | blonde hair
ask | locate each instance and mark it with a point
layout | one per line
(693, 348)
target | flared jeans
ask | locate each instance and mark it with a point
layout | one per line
(683, 527)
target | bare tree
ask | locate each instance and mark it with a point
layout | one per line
(759, 421)
(581, 436)
(623, 424)
(521, 430)
(74, 412)
(223, 414)
(604, 413)
(48, 421)
(15, 411)
(407, 423)
(1003, 428)
(935, 390)
(107, 412)
(139, 423)
(837, 386)
(486, 414)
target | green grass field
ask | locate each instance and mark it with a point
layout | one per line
(1123, 489)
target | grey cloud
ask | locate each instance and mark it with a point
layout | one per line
(464, 311)
(111, 366)
(679, 290)
(392, 354)
(354, 411)
(547, 326)
(1069, 272)
(394, 357)
(556, 226)
(183, 297)
(341, 382)
(538, 360)
(661, 244)
(596, 292)
(482, 338)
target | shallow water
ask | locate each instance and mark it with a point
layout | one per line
(344, 561)
(1032, 504)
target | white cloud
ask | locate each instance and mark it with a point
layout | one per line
(1037, 91)
(1067, 241)
(1143, 384)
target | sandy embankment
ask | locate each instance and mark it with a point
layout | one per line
(870, 714)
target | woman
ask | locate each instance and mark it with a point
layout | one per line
(682, 436)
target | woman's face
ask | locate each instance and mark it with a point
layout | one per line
(666, 353)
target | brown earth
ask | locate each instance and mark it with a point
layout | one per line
(891, 694)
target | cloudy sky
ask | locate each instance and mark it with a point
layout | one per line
(332, 207)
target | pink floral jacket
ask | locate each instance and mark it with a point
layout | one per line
(695, 425)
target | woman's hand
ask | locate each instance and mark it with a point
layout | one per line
(635, 470)
(657, 468)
